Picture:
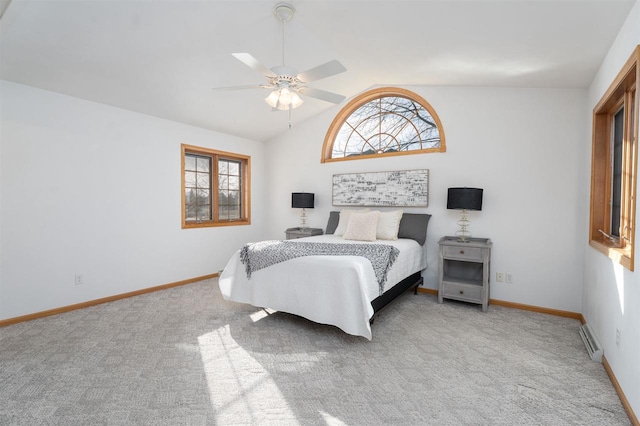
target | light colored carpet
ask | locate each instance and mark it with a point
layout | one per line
(184, 356)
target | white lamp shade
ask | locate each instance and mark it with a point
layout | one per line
(272, 99)
(296, 100)
(285, 97)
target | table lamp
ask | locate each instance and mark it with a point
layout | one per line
(464, 199)
(302, 200)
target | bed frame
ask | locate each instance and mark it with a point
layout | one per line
(392, 294)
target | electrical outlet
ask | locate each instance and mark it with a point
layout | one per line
(617, 337)
(79, 280)
(508, 278)
(499, 277)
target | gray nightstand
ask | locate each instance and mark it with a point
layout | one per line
(464, 270)
(293, 233)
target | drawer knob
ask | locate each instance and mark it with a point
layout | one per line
(461, 291)
(461, 251)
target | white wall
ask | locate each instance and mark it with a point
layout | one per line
(94, 190)
(518, 144)
(612, 293)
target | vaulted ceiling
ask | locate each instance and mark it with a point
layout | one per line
(162, 58)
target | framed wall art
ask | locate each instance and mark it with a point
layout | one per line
(403, 188)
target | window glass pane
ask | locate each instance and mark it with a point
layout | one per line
(387, 144)
(203, 164)
(616, 186)
(414, 145)
(353, 145)
(234, 198)
(223, 167)
(342, 138)
(190, 179)
(234, 213)
(189, 162)
(234, 182)
(190, 204)
(203, 196)
(203, 180)
(223, 182)
(204, 212)
(190, 196)
(223, 213)
(234, 168)
(408, 138)
(223, 198)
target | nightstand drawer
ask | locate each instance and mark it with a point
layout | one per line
(471, 293)
(463, 253)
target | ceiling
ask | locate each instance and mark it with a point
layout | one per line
(162, 58)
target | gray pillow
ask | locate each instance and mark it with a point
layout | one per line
(332, 224)
(414, 226)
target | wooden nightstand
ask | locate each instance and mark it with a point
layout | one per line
(293, 233)
(464, 270)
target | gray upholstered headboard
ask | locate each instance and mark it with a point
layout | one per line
(412, 225)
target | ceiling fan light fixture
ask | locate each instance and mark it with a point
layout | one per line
(296, 100)
(285, 96)
(272, 99)
(283, 99)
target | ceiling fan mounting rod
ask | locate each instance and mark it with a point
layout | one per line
(284, 13)
(282, 22)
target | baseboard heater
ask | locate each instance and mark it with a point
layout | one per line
(594, 348)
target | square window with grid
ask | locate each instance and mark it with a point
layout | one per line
(215, 188)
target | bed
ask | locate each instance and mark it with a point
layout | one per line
(345, 291)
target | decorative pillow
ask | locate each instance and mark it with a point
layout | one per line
(388, 225)
(414, 226)
(332, 223)
(362, 226)
(344, 220)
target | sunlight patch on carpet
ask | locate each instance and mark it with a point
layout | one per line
(331, 420)
(241, 390)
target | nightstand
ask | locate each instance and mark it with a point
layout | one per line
(293, 233)
(464, 270)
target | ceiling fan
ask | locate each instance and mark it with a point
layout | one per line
(284, 81)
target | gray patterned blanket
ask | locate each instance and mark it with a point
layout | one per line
(256, 256)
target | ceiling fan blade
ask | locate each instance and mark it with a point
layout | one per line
(250, 61)
(321, 94)
(252, 86)
(322, 71)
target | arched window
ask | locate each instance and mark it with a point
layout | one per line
(384, 121)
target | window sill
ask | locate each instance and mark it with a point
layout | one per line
(623, 256)
(216, 224)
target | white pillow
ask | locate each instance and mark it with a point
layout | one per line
(362, 226)
(388, 225)
(344, 220)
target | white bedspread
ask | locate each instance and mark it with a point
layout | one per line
(335, 290)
